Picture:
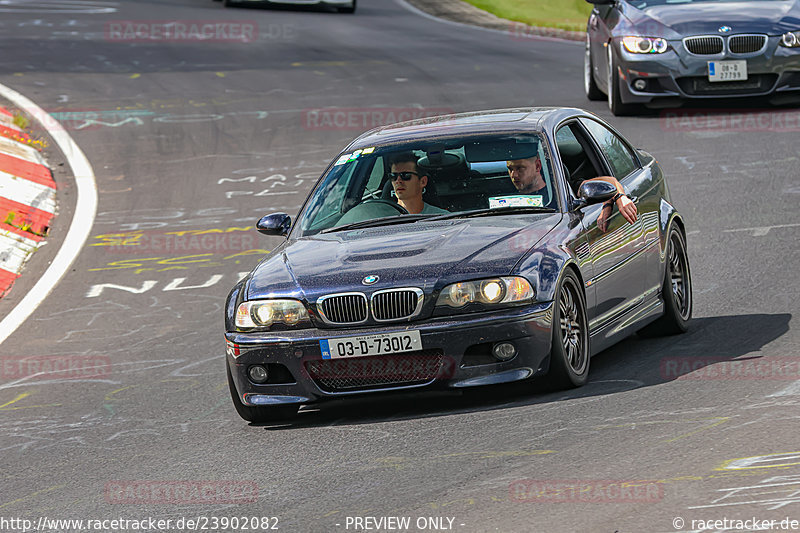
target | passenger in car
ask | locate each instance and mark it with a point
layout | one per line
(526, 174)
(409, 184)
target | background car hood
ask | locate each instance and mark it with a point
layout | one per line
(772, 18)
(418, 254)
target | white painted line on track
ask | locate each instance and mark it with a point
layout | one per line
(81, 225)
(421, 13)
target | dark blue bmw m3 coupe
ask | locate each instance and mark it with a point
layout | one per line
(459, 251)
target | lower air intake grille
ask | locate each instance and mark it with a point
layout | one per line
(364, 373)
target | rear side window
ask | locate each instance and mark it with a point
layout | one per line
(616, 151)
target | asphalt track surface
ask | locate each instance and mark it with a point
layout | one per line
(201, 116)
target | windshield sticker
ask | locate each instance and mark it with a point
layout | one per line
(515, 201)
(355, 155)
(369, 150)
(342, 160)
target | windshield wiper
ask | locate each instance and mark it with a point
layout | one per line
(494, 212)
(385, 221)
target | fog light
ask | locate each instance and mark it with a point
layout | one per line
(258, 374)
(640, 85)
(504, 351)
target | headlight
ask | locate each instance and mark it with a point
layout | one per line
(645, 45)
(486, 291)
(791, 39)
(265, 313)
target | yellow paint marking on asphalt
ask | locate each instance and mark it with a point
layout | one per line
(43, 491)
(18, 398)
(134, 76)
(18, 74)
(220, 74)
(720, 420)
(751, 463)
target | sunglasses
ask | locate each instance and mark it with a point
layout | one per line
(405, 176)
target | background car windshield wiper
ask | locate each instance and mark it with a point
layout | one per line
(385, 221)
(495, 211)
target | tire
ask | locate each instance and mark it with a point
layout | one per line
(258, 415)
(569, 354)
(230, 3)
(676, 290)
(351, 9)
(615, 104)
(593, 92)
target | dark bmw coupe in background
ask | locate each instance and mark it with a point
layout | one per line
(658, 52)
(493, 286)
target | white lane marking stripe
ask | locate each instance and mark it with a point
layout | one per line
(82, 221)
(27, 192)
(21, 151)
(791, 390)
(464, 25)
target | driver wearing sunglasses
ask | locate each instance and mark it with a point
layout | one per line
(409, 184)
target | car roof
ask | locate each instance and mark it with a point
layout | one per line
(529, 119)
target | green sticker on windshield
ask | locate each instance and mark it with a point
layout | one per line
(515, 201)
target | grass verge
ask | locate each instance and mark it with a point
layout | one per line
(563, 14)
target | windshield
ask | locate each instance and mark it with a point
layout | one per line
(412, 182)
(644, 4)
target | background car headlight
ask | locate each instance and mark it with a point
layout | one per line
(645, 45)
(265, 313)
(486, 291)
(791, 39)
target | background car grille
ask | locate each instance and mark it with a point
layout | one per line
(344, 309)
(745, 44)
(704, 45)
(360, 373)
(395, 304)
(700, 86)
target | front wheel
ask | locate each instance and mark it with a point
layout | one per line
(569, 355)
(593, 92)
(676, 290)
(258, 415)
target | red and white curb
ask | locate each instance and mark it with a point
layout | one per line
(27, 200)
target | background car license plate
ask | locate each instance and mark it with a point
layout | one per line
(727, 70)
(366, 345)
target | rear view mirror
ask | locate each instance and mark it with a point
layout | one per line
(595, 192)
(275, 224)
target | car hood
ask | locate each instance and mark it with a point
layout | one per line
(681, 20)
(418, 255)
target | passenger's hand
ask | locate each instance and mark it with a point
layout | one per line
(627, 208)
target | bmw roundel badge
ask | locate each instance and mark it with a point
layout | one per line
(370, 280)
(725, 29)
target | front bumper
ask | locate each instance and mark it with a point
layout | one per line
(679, 74)
(461, 340)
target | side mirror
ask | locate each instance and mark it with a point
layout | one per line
(595, 192)
(277, 224)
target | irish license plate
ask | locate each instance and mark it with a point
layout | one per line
(727, 70)
(367, 345)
